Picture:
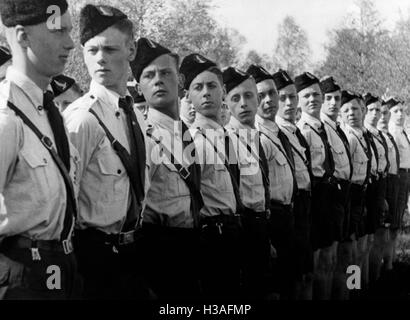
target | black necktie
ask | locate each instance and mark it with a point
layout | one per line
(263, 163)
(386, 150)
(197, 201)
(231, 162)
(396, 149)
(63, 150)
(304, 144)
(137, 144)
(367, 135)
(345, 141)
(369, 154)
(329, 164)
(286, 146)
(57, 126)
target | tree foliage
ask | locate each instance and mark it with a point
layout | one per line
(292, 50)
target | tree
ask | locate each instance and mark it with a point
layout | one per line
(354, 55)
(292, 49)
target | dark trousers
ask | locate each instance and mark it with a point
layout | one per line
(357, 224)
(392, 196)
(171, 262)
(327, 215)
(109, 273)
(404, 184)
(21, 278)
(281, 227)
(220, 251)
(303, 225)
(256, 254)
(375, 197)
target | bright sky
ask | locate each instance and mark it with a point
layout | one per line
(257, 20)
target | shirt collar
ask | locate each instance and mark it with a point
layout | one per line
(205, 123)
(394, 128)
(107, 96)
(267, 124)
(33, 91)
(330, 122)
(357, 132)
(310, 120)
(161, 119)
(286, 124)
(372, 129)
(236, 124)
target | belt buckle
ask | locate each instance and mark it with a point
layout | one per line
(68, 246)
(126, 237)
(184, 172)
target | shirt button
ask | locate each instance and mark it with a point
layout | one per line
(45, 160)
(119, 171)
(40, 108)
(117, 114)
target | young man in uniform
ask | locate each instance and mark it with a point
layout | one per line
(326, 217)
(66, 91)
(339, 146)
(242, 100)
(285, 119)
(281, 177)
(392, 192)
(377, 192)
(220, 215)
(109, 135)
(397, 130)
(352, 114)
(39, 168)
(171, 216)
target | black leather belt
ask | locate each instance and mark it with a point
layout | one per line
(21, 242)
(118, 239)
(221, 221)
(404, 170)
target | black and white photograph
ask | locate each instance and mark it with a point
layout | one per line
(205, 157)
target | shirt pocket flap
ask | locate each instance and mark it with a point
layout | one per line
(110, 167)
(34, 159)
(280, 159)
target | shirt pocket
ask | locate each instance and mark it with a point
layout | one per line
(317, 151)
(113, 177)
(339, 154)
(221, 178)
(174, 185)
(35, 174)
(359, 164)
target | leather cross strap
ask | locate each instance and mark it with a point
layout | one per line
(136, 206)
(71, 212)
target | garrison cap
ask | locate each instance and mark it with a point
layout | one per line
(348, 96)
(233, 77)
(328, 85)
(5, 55)
(392, 102)
(193, 65)
(94, 19)
(369, 99)
(28, 12)
(259, 73)
(61, 84)
(282, 79)
(147, 51)
(305, 80)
